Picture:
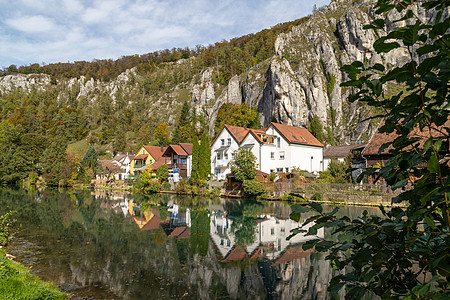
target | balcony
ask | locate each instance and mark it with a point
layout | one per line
(137, 166)
(177, 166)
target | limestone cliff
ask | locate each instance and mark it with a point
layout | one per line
(300, 81)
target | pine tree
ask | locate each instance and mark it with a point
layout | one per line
(204, 163)
(90, 159)
(195, 156)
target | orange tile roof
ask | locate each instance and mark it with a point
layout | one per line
(296, 135)
(237, 253)
(237, 132)
(177, 149)
(292, 253)
(379, 139)
(159, 162)
(177, 231)
(255, 134)
(187, 147)
(155, 151)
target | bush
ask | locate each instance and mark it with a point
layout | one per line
(253, 187)
(7, 225)
(317, 196)
(153, 187)
(166, 186)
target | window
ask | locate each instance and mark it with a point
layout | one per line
(225, 155)
(150, 161)
(219, 156)
(272, 231)
(287, 170)
(229, 142)
(233, 155)
(282, 230)
(279, 170)
(282, 155)
(143, 151)
(222, 142)
(272, 170)
(272, 155)
(278, 142)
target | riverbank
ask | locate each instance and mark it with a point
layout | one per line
(17, 283)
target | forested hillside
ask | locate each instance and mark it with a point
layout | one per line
(290, 74)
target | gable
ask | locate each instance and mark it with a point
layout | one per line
(296, 135)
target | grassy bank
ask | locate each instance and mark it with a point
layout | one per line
(17, 283)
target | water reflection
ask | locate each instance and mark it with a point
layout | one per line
(117, 245)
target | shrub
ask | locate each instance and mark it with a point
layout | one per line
(317, 196)
(7, 225)
(152, 187)
(253, 187)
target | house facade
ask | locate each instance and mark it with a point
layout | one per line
(145, 157)
(277, 148)
(179, 160)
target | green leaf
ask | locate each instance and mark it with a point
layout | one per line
(316, 206)
(433, 164)
(382, 47)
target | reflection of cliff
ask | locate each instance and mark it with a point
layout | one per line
(108, 249)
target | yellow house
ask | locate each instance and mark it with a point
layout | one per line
(144, 158)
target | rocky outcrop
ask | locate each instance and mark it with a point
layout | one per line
(300, 81)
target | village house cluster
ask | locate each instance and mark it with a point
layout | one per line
(278, 148)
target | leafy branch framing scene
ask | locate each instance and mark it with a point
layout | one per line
(405, 254)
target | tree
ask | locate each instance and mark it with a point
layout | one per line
(236, 115)
(195, 159)
(243, 165)
(162, 134)
(182, 131)
(90, 162)
(316, 128)
(162, 172)
(405, 253)
(204, 158)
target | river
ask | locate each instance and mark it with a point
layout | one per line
(105, 245)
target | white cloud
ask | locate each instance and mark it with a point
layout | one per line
(32, 24)
(68, 30)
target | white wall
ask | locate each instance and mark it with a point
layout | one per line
(301, 157)
(222, 163)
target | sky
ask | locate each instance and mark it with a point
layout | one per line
(49, 31)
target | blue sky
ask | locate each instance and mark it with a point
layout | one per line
(48, 31)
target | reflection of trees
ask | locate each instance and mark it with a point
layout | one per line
(244, 225)
(199, 232)
(114, 253)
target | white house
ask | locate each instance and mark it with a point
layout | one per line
(278, 148)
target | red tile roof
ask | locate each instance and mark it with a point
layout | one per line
(177, 231)
(155, 151)
(379, 139)
(296, 135)
(187, 147)
(237, 132)
(185, 234)
(177, 149)
(237, 253)
(159, 162)
(292, 253)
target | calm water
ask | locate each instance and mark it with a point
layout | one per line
(116, 246)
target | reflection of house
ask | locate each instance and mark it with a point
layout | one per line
(144, 158)
(179, 159)
(145, 220)
(270, 238)
(278, 148)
